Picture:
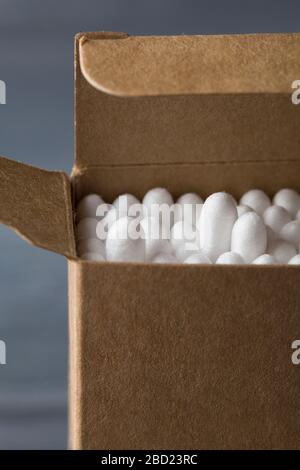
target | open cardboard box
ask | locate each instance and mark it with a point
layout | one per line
(174, 356)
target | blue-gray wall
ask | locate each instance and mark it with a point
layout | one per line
(36, 126)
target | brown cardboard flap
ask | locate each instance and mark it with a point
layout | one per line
(180, 65)
(241, 109)
(37, 205)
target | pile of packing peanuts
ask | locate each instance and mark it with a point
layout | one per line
(219, 229)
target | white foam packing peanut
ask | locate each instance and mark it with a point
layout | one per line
(156, 196)
(121, 244)
(164, 258)
(128, 204)
(183, 232)
(291, 232)
(184, 240)
(249, 237)
(288, 199)
(91, 245)
(276, 217)
(185, 250)
(218, 216)
(87, 228)
(106, 222)
(188, 208)
(224, 233)
(295, 260)
(265, 259)
(197, 258)
(271, 235)
(257, 200)
(155, 238)
(281, 250)
(88, 206)
(230, 257)
(242, 209)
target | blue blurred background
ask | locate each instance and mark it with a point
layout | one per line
(36, 126)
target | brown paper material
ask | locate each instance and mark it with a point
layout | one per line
(184, 357)
(177, 65)
(203, 178)
(37, 205)
(243, 86)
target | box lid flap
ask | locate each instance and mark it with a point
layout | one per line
(37, 205)
(180, 65)
(185, 100)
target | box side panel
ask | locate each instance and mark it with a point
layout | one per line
(176, 129)
(204, 179)
(186, 357)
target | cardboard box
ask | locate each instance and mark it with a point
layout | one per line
(178, 356)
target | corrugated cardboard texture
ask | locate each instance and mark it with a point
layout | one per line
(250, 124)
(184, 357)
(177, 65)
(37, 204)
